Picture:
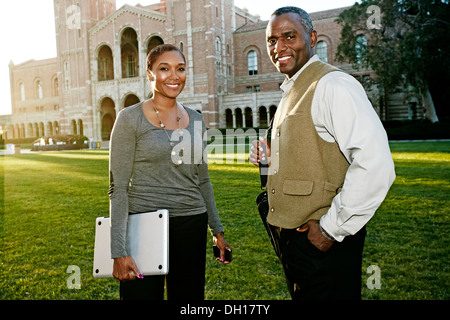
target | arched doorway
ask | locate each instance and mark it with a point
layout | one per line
(154, 42)
(228, 118)
(105, 64)
(129, 53)
(130, 100)
(263, 117)
(108, 116)
(248, 117)
(239, 120)
(73, 126)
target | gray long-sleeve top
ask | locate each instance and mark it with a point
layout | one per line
(143, 177)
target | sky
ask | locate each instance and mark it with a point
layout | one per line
(30, 34)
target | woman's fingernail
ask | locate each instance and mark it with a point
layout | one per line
(141, 276)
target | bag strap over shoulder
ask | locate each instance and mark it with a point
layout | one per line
(264, 165)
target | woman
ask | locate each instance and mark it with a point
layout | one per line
(148, 171)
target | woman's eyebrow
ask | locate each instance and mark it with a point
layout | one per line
(166, 63)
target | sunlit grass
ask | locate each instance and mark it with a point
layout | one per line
(52, 199)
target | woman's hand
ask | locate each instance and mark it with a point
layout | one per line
(125, 269)
(222, 244)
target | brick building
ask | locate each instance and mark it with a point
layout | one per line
(100, 66)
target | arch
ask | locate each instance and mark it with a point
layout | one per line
(322, 50)
(80, 127)
(30, 130)
(263, 121)
(328, 41)
(11, 133)
(154, 41)
(36, 129)
(73, 127)
(228, 118)
(22, 132)
(56, 127)
(49, 129)
(239, 120)
(105, 63)
(218, 46)
(41, 129)
(129, 53)
(253, 54)
(39, 88)
(22, 90)
(272, 110)
(248, 117)
(108, 116)
(130, 99)
(107, 124)
(55, 85)
(252, 62)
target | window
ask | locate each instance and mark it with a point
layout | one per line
(218, 47)
(322, 51)
(55, 87)
(105, 64)
(360, 48)
(252, 59)
(251, 89)
(22, 91)
(66, 76)
(182, 47)
(130, 66)
(218, 67)
(39, 93)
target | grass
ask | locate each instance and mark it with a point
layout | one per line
(51, 200)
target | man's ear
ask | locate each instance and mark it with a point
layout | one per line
(313, 38)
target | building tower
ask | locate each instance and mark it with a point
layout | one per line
(73, 19)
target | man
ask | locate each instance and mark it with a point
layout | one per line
(330, 165)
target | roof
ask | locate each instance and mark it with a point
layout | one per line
(315, 16)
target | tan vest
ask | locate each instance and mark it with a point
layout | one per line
(306, 172)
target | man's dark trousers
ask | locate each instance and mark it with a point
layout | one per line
(315, 275)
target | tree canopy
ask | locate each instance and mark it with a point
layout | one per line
(406, 42)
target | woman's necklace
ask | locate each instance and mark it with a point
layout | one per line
(171, 143)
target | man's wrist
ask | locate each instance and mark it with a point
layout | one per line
(325, 234)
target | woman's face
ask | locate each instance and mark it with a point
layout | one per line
(168, 74)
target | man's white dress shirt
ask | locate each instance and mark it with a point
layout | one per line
(342, 113)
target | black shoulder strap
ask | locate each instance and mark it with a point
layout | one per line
(264, 165)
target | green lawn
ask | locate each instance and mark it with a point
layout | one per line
(51, 201)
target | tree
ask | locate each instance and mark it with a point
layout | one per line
(406, 42)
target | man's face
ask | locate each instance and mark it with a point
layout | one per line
(288, 45)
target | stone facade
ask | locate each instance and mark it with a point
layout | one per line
(100, 66)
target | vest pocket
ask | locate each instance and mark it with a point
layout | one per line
(298, 187)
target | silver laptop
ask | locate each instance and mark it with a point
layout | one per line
(147, 243)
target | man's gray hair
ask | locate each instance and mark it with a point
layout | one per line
(304, 17)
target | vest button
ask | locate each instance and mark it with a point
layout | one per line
(273, 190)
(272, 209)
(275, 171)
